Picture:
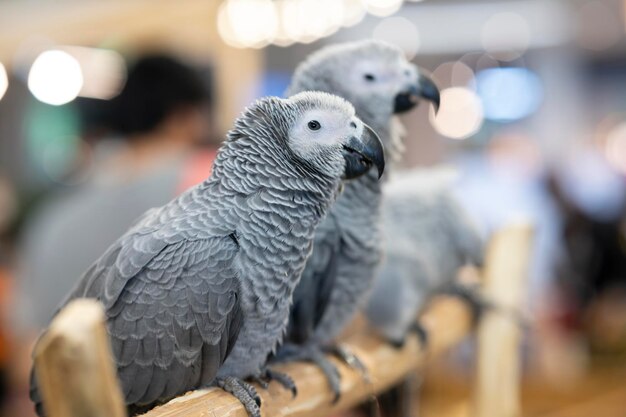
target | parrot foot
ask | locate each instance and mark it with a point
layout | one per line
(244, 392)
(315, 355)
(268, 375)
(397, 343)
(478, 306)
(421, 333)
(353, 361)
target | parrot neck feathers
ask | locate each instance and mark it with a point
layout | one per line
(247, 167)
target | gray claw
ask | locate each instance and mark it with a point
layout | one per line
(477, 304)
(351, 360)
(263, 382)
(330, 371)
(244, 392)
(315, 355)
(397, 343)
(421, 332)
(283, 379)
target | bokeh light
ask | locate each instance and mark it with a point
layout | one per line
(615, 147)
(382, 8)
(354, 12)
(104, 71)
(486, 61)
(454, 74)
(401, 32)
(55, 77)
(506, 36)
(509, 94)
(598, 26)
(308, 20)
(247, 23)
(4, 80)
(460, 115)
(257, 23)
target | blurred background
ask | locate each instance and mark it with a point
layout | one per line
(110, 107)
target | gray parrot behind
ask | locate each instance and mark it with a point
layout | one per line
(198, 291)
(378, 80)
(428, 237)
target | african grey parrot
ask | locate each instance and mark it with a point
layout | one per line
(198, 291)
(378, 80)
(428, 237)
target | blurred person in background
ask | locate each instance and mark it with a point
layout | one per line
(591, 196)
(149, 144)
(158, 121)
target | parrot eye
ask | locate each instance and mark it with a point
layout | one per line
(369, 77)
(314, 125)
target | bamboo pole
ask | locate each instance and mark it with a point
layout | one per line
(447, 321)
(498, 385)
(74, 367)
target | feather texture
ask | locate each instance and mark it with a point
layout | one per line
(348, 244)
(201, 287)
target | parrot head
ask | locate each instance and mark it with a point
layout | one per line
(318, 132)
(373, 75)
(326, 127)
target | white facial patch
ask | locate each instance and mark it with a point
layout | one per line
(380, 77)
(320, 128)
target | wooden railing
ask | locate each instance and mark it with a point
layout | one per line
(448, 321)
(80, 329)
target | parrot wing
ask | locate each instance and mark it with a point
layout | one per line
(172, 307)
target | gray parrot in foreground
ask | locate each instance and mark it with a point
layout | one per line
(198, 291)
(378, 80)
(428, 238)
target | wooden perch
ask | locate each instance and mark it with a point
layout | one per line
(498, 385)
(74, 365)
(447, 322)
(77, 377)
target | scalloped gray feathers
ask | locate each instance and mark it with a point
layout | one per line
(348, 244)
(201, 287)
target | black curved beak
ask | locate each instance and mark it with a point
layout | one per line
(363, 153)
(425, 88)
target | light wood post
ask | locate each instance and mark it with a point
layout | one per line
(497, 389)
(74, 365)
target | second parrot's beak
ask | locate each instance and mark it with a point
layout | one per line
(425, 88)
(363, 153)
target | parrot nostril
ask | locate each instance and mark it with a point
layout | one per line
(353, 125)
